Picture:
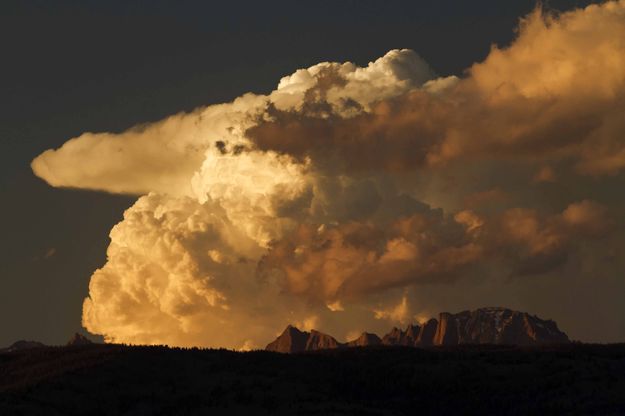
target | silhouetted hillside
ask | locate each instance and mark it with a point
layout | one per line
(112, 379)
(22, 345)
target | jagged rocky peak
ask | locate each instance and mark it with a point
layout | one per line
(79, 339)
(395, 337)
(291, 340)
(294, 340)
(366, 339)
(427, 333)
(320, 341)
(413, 336)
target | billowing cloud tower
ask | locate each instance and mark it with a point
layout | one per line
(353, 197)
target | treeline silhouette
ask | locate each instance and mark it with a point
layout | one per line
(135, 380)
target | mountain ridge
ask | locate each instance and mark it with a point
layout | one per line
(489, 325)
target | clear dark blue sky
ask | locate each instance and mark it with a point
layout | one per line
(67, 67)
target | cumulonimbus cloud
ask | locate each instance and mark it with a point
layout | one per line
(556, 93)
(318, 203)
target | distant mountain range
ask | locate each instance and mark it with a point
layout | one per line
(76, 340)
(499, 326)
(22, 345)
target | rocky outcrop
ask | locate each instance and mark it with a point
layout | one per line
(413, 336)
(320, 341)
(481, 326)
(446, 330)
(294, 340)
(365, 340)
(427, 333)
(78, 339)
(395, 337)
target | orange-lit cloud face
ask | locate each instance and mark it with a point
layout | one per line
(343, 197)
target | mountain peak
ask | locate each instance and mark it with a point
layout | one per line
(78, 339)
(293, 339)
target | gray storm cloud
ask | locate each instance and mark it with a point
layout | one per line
(353, 197)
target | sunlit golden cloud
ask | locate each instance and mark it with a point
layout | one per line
(334, 200)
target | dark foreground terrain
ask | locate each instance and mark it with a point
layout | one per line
(113, 379)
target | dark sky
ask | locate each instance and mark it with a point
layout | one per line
(75, 66)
